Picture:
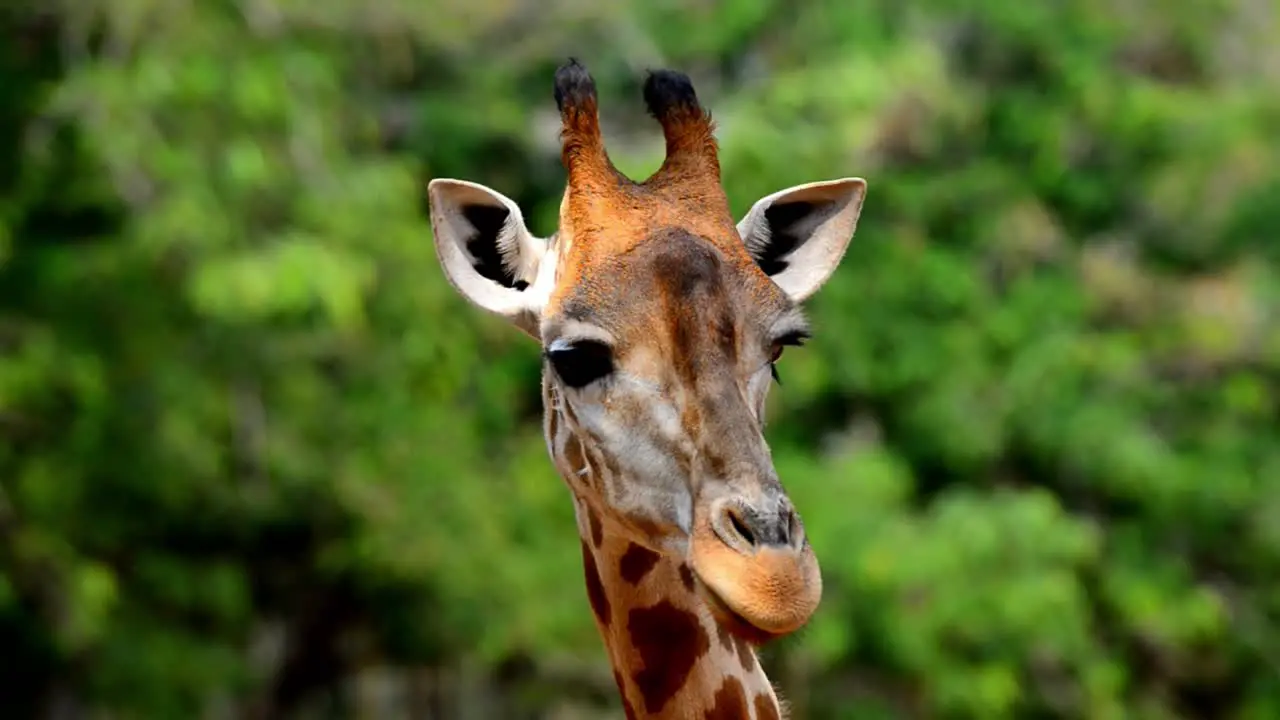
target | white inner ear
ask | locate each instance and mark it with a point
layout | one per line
(799, 235)
(466, 222)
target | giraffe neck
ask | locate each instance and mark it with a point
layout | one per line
(671, 659)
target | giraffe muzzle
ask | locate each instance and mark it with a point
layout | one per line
(755, 567)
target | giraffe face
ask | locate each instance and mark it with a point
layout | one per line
(661, 322)
(658, 369)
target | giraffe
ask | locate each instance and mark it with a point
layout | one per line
(661, 322)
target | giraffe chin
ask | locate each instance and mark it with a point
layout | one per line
(761, 596)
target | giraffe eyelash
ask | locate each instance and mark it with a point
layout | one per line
(795, 338)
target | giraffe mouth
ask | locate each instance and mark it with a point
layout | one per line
(759, 596)
(731, 619)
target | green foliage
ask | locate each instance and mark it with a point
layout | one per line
(253, 448)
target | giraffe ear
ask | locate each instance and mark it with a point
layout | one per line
(487, 252)
(799, 235)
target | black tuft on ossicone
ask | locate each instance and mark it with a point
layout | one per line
(667, 90)
(574, 85)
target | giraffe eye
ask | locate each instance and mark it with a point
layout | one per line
(580, 363)
(795, 338)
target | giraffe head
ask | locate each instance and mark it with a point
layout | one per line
(661, 321)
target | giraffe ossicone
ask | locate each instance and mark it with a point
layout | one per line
(661, 321)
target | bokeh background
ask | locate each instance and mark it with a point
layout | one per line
(258, 460)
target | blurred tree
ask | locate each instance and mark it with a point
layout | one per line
(249, 466)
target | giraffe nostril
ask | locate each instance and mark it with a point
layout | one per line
(747, 529)
(740, 527)
(795, 528)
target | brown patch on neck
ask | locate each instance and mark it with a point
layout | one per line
(730, 702)
(744, 655)
(593, 521)
(766, 708)
(686, 577)
(628, 710)
(670, 641)
(636, 563)
(595, 588)
(726, 640)
(734, 644)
